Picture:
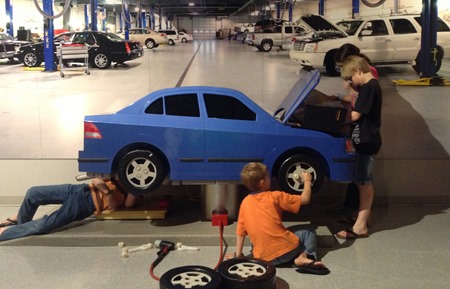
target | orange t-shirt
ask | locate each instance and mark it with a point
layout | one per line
(101, 203)
(260, 217)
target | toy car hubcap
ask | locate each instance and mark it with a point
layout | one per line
(141, 172)
(294, 175)
(191, 279)
(246, 270)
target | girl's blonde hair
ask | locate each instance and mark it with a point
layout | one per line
(252, 174)
(352, 63)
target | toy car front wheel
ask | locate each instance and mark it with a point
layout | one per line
(247, 273)
(190, 277)
(290, 173)
(140, 172)
(171, 42)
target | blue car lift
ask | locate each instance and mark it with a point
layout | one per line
(428, 56)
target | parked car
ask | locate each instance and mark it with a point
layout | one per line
(264, 41)
(247, 28)
(185, 37)
(32, 55)
(9, 46)
(150, 38)
(386, 40)
(206, 134)
(268, 25)
(172, 36)
(105, 48)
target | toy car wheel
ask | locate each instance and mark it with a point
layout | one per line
(31, 60)
(190, 277)
(290, 173)
(241, 273)
(102, 61)
(150, 43)
(140, 172)
(171, 42)
(184, 40)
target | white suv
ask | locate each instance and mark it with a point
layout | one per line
(385, 40)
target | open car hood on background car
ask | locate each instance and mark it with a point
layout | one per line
(299, 92)
(321, 27)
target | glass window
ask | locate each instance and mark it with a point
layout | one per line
(155, 107)
(402, 26)
(226, 107)
(182, 105)
(378, 27)
(441, 24)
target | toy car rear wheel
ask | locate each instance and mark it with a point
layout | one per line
(102, 61)
(241, 273)
(150, 43)
(140, 172)
(190, 277)
(171, 42)
(290, 173)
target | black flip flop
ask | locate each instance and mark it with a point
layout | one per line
(11, 223)
(310, 269)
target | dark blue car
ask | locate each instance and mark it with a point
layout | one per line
(206, 134)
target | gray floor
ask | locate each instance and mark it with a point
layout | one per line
(408, 246)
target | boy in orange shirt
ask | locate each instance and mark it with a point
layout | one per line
(260, 217)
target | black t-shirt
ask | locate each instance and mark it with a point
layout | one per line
(366, 134)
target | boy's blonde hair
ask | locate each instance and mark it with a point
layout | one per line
(352, 63)
(252, 174)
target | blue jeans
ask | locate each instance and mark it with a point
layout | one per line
(307, 244)
(76, 204)
(364, 171)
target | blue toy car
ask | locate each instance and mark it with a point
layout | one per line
(207, 134)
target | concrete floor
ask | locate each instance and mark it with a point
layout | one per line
(41, 129)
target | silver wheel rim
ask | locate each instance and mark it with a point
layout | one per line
(101, 60)
(141, 172)
(30, 59)
(294, 175)
(191, 279)
(247, 269)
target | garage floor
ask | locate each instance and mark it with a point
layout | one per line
(41, 118)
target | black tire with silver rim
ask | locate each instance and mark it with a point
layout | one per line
(150, 43)
(266, 46)
(30, 59)
(290, 176)
(171, 42)
(184, 40)
(140, 172)
(102, 61)
(190, 277)
(242, 273)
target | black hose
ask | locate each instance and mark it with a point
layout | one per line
(373, 5)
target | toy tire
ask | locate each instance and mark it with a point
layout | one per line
(197, 277)
(243, 273)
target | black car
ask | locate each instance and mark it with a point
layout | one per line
(32, 55)
(104, 48)
(9, 46)
(268, 25)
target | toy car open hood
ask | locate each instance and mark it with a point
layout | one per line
(299, 92)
